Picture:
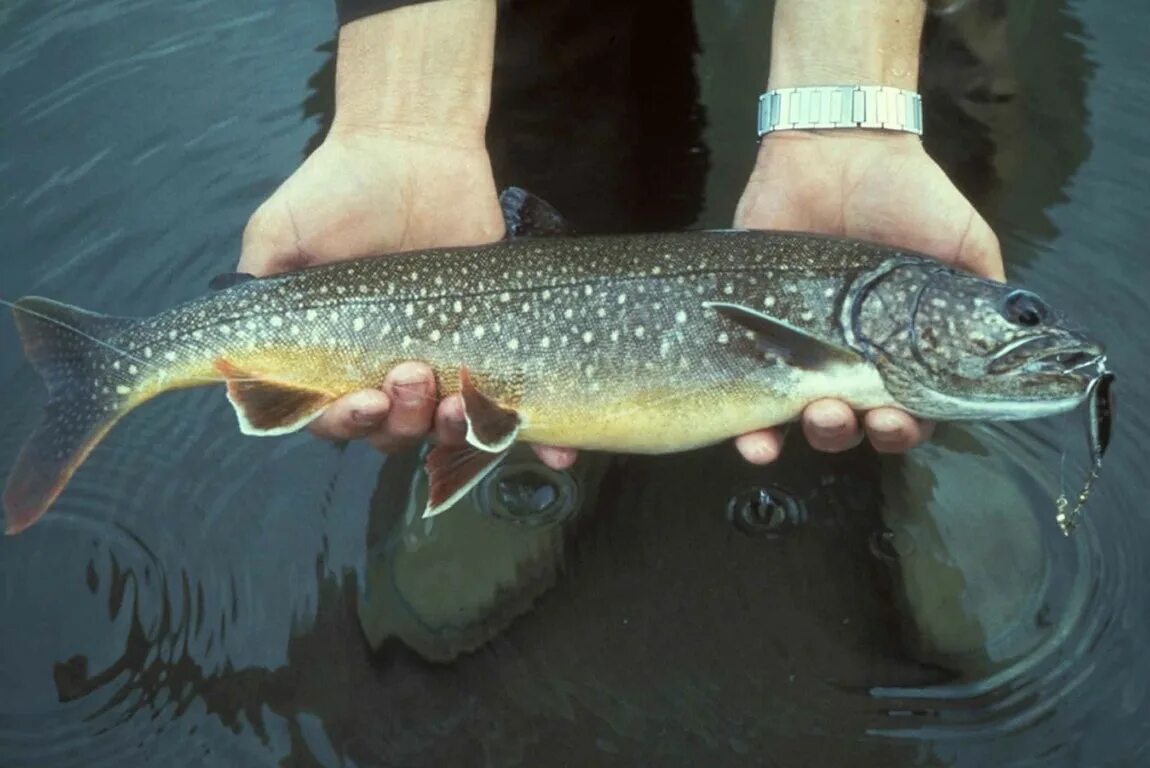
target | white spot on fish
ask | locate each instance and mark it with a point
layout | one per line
(601, 312)
(589, 371)
(525, 308)
(568, 313)
(656, 270)
(357, 324)
(122, 390)
(588, 290)
(724, 338)
(807, 316)
(334, 316)
(409, 310)
(640, 332)
(294, 330)
(587, 337)
(276, 321)
(728, 289)
(116, 365)
(621, 299)
(434, 335)
(479, 331)
(147, 351)
(457, 306)
(170, 357)
(172, 334)
(455, 338)
(513, 344)
(664, 348)
(545, 342)
(133, 370)
(680, 317)
(546, 294)
(829, 293)
(505, 297)
(769, 301)
(197, 335)
(225, 329)
(323, 289)
(406, 342)
(614, 335)
(310, 314)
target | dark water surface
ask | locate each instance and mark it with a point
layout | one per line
(201, 598)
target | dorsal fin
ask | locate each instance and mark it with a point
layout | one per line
(527, 215)
(793, 345)
(228, 279)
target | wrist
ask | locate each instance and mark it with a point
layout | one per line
(830, 42)
(417, 71)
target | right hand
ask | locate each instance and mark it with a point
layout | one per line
(368, 194)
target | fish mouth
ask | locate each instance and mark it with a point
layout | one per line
(1040, 355)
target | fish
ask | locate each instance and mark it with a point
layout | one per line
(649, 343)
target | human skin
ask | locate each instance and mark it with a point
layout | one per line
(407, 140)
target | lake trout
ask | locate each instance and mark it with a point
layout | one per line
(648, 344)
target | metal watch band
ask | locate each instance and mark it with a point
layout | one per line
(840, 106)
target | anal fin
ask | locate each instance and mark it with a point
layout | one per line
(452, 471)
(268, 407)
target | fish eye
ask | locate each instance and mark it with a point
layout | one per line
(1024, 308)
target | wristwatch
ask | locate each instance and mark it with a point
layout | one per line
(840, 106)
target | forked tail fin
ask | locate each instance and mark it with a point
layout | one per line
(90, 385)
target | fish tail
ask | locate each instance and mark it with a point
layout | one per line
(89, 390)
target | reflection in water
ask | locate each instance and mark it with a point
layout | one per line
(826, 611)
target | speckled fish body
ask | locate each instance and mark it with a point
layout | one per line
(653, 343)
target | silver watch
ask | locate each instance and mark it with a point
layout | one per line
(840, 106)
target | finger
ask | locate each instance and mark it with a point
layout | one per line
(555, 457)
(353, 416)
(831, 426)
(411, 389)
(450, 423)
(894, 431)
(761, 447)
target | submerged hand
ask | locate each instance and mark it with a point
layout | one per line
(366, 194)
(871, 186)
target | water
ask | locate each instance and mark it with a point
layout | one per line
(196, 597)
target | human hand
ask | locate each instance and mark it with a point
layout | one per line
(868, 185)
(367, 193)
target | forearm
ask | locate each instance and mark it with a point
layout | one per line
(416, 68)
(846, 42)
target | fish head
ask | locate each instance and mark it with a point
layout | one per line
(951, 345)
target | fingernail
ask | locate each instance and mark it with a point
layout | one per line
(886, 422)
(366, 418)
(410, 392)
(828, 423)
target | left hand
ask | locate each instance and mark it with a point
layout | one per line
(870, 185)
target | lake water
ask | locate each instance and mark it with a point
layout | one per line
(200, 598)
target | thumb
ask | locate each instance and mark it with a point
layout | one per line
(979, 250)
(271, 242)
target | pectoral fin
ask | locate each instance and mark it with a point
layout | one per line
(793, 345)
(268, 407)
(490, 426)
(452, 471)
